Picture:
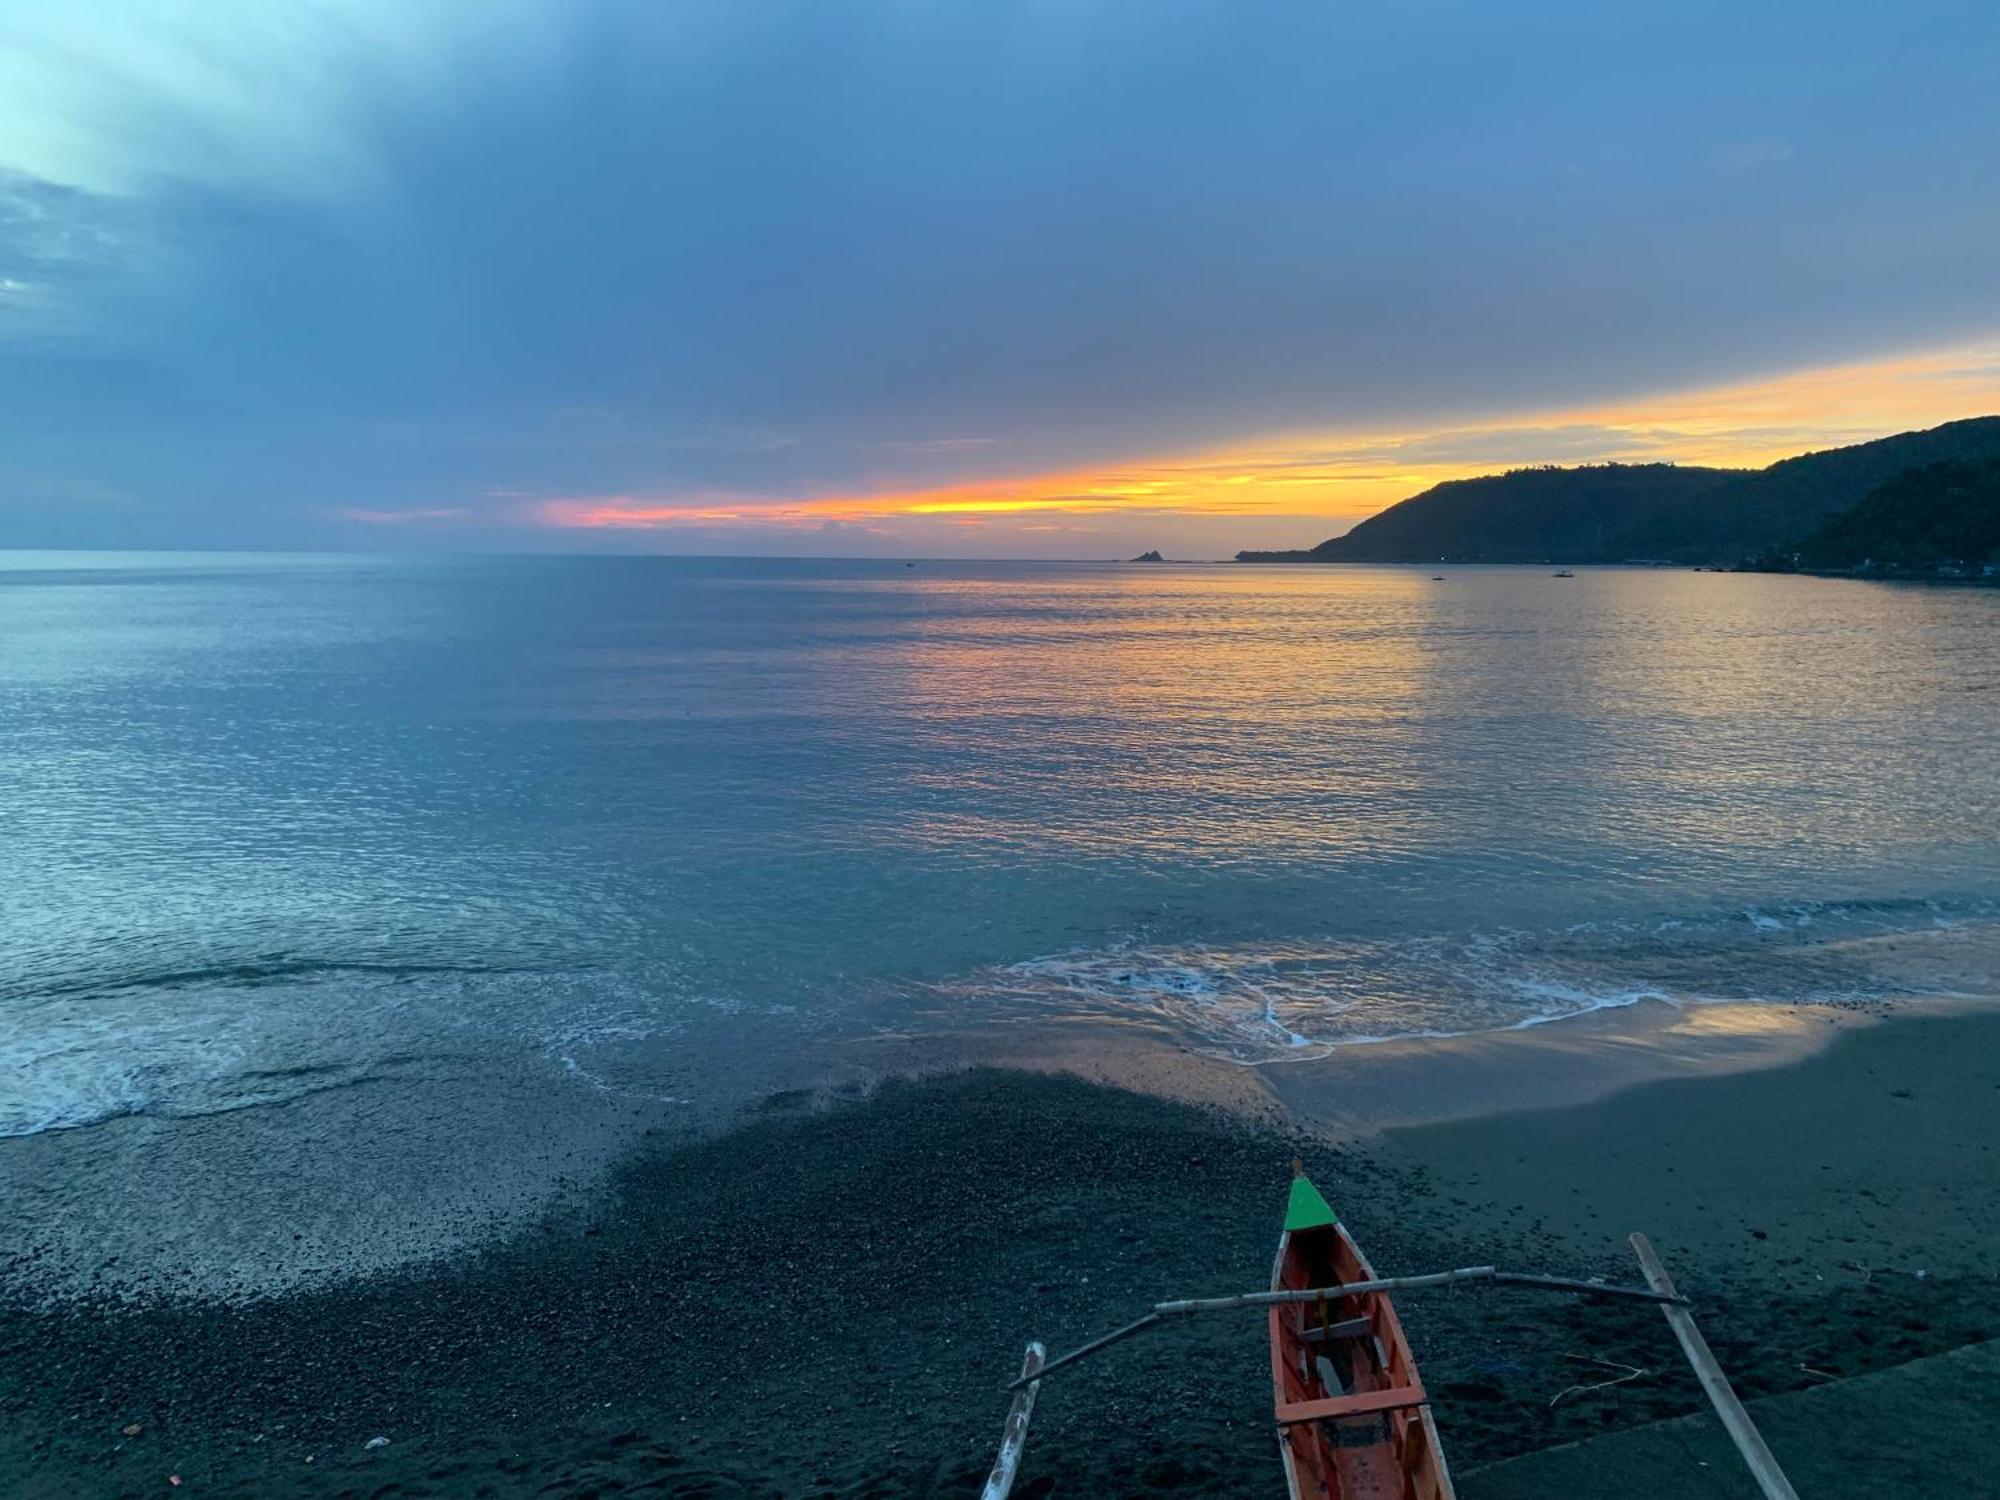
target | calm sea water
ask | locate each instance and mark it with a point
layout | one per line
(280, 825)
(276, 822)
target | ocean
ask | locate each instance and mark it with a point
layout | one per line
(379, 894)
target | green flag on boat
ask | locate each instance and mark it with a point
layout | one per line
(1307, 1209)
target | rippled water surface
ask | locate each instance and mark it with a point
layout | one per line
(280, 826)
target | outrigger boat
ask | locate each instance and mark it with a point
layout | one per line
(1354, 1421)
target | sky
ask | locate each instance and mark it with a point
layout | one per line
(1055, 278)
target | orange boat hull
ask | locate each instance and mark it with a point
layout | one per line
(1353, 1420)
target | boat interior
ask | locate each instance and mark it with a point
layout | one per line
(1351, 1415)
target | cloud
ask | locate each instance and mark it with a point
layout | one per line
(1322, 482)
(940, 445)
(260, 264)
(64, 254)
(423, 516)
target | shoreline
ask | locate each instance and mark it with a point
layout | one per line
(1356, 1090)
(204, 1218)
(1359, 1091)
(385, 1173)
(868, 1272)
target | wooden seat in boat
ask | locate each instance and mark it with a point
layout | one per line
(1332, 1408)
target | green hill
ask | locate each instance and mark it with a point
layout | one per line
(1946, 512)
(1613, 512)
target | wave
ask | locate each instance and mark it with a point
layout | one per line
(174, 1041)
(1267, 1002)
(1856, 917)
(186, 1043)
(271, 971)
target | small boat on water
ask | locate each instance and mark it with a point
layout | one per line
(1353, 1418)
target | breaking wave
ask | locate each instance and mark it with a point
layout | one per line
(179, 1041)
(1265, 1002)
(189, 1043)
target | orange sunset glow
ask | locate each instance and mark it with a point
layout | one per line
(1329, 480)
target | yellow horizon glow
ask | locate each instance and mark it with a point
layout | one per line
(1345, 476)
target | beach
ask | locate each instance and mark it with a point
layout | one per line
(685, 1025)
(719, 719)
(826, 1299)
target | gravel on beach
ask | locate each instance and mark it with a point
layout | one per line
(828, 1302)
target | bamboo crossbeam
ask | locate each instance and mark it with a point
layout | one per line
(1590, 1288)
(1313, 1294)
(1715, 1385)
(1117, 1335)
(1188, 1307)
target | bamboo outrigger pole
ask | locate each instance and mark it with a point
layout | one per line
(1015, 1435)
(1715, 1385)
(1187, 1307)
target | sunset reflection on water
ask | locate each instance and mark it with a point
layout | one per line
(611, 806)
(1236, 714)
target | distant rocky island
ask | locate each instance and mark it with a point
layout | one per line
(1153, 556)
(1903, 502)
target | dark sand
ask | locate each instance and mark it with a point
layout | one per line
(1844, 1440)
(1880, 1151)
(827, 1303)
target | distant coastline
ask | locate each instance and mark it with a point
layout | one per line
(1919, 505)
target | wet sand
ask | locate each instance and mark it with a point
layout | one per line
(1879, 1151)
(825, 1301)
